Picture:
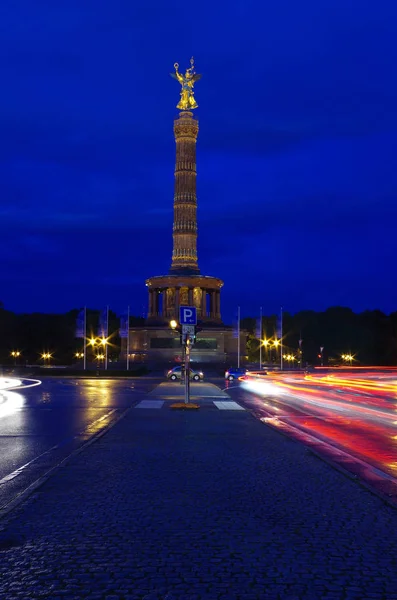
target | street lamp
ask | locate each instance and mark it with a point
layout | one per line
(79, 354)
(100, 345)
(174, 327)
(265, 343)
(348, 358)
(46, 356)
(276, 344)
(289, 357)
(15, 354)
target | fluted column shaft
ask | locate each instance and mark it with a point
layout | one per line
(184, 254)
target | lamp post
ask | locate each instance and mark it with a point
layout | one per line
(46, 356)
(348, 358)
(276, 344)
(99, 357)
(265, 343)
(175, 327)
(100, 346)
(15, 354)
(79, 355)
(186, 345)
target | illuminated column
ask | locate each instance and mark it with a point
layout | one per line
(212, 304)
(218, 304)
(177, 304)
(203, 303)
(184, 254)
(150, 303)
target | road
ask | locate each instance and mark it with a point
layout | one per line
(349, 417)
(41, 426)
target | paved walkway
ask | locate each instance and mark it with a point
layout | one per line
(198, 391)
(200, 505)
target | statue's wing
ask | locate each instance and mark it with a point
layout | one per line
(174, 76)
(196, 77)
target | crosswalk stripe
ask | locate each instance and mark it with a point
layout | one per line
(227, 405)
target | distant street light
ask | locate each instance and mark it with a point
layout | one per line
(265, 343)
(348, 358)
(46, 356)
(289, 357)
(15, 354)
(99, 345)
(79, 354)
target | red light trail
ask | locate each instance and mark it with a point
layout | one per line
(350, 416)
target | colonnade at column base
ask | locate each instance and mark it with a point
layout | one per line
(167, 293)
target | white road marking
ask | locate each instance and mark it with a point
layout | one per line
(227, 405)
(20, 470)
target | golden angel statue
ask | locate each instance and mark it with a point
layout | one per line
(187, 81)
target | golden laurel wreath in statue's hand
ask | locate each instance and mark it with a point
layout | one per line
(187, 81)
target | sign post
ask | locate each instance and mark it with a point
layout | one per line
(188, 320)
(187, 371)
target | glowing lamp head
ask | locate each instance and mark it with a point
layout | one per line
(173, 324)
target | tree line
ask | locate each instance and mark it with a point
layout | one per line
(37, 333)
(370, 336)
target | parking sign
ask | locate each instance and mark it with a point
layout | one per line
(187, 315)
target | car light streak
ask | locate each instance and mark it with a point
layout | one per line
(353, 411)
(7, 383)
(11, 402)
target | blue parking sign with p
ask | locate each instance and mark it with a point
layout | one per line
(188, 315)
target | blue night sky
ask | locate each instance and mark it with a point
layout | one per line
(296, 157)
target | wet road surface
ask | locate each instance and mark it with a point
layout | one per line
(350, 419)
(41, 426)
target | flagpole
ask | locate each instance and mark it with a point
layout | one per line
(238, 337)
(107, 335)
(281, 339)
(128, 339)
(85, 340)
(260, 340)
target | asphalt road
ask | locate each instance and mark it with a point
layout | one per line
(349, 418)
(41, 426)
(345, 420)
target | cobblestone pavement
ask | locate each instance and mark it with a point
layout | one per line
(203, 505)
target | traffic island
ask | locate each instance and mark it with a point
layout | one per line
(184, 406)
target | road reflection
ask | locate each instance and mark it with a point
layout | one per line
(10, 403)
(355, 412)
